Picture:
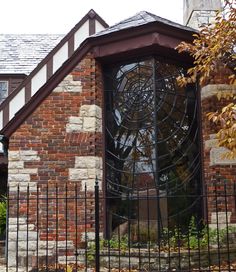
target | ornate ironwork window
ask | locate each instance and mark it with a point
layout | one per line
(151, 133)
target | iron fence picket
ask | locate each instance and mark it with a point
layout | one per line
(173, 249)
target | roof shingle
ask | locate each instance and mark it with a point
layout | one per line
(20, 54)
(141, 18)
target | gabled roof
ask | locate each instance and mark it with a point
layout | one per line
(49, 66)
(141, 18)
(150, 35)
(20, 54)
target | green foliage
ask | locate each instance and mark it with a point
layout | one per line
(198, 236)
(91, 252)
(3, 215)
(115, 242)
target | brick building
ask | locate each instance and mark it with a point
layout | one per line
(104, 104)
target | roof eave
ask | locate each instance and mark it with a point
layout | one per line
(153, 34)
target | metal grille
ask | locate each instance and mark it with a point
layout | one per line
(151, 138)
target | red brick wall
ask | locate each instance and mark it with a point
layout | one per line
(44, 133)
(220, 176)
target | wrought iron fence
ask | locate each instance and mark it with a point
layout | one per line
(61, 228)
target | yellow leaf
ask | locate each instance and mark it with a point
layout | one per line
(69, 268)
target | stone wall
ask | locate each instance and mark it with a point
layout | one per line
(218, 172)
(56, 148)
(200, 12)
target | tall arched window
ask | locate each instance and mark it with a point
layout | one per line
(151, 137)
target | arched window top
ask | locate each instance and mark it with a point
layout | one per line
(151, 128)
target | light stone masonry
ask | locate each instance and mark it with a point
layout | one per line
(18, 174)
(198, 12)
(217, 157)
(24, 238)
(221, 220)
(89, 120)
(201, 18)
(217, 154)
(86, 170)
(69, 85)
(212, 90)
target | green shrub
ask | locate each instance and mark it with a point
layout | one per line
(3, 215)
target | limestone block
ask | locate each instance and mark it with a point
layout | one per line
(87, 236)
(212, 89)
(26, 227)
(25, 253)
(24, 235)
(12, 236)
(64, 244)
(13, 171)
(44, 252)
(69, 85)
(216, 157)
(15, 165)
(75, 120)
(21, 227)
(11, 260)
(90, 111)
(87, 162)
(93, 173)
(90, 183)
(203, 6)
(19, 177)
(74, 128)
(92, 124)
(89, 124)
(31, 245)
(32, 171)
(25, 153)
(78, 174)
(210, 143)
(15, 221)
(222, 217)
(98, 125)
(203, 20)
(23, 186)
(46, 244)
(72, 259)
(84, 111)
(13, 155)
(12, 246)
(12, 228)
(30, 158)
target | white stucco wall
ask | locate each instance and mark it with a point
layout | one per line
(38, 80)
(81, 34)
(60, 57)
(98, 26)
(16, 103)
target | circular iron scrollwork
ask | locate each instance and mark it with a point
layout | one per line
(151, 145)
(151, 128)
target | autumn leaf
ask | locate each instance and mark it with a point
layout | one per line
(214, 47)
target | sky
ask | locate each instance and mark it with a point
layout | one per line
(59, 16)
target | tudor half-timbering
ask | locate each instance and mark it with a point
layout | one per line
(107, 107)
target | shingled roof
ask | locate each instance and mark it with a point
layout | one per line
(22, 53)
(140, 34)
(141, 18)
